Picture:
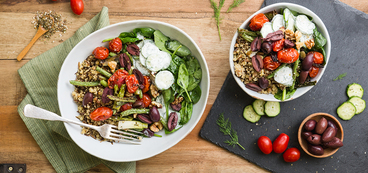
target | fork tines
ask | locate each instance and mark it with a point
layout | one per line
(125, 136)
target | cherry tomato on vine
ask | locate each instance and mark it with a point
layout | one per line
(132, 83)
(280, 144)
(126, 106)
(317, 57)
(313, 72)
(291, 155)
(146, 99)
(146, 84)
(117, 78)
(77, 6)
(257, 22)
(278, 45)
(101, 113)
(288, 55)
(265, 144)
(101, 53)
(115, 45)
(269, 64)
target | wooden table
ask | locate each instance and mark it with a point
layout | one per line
(193, 154)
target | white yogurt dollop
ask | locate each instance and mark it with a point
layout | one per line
(284, 76)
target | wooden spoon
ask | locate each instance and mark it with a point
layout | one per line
(39, 33)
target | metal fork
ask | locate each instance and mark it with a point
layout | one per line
(107, 131)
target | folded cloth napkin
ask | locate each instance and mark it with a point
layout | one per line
(40, 76)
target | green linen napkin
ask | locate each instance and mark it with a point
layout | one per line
(40, 76)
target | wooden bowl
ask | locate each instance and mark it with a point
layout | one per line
(316, 116)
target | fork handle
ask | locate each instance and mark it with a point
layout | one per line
(39, 113)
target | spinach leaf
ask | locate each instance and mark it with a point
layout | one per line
(128, 34)
(173, 68)
(191, 65)
(319, 40)
(147, 32)
(173, 45)
(129, 39)
(167, 95)
(182, 111)
(174, 130)
(177, 60)
(183, 78)
(160, 40)
(188, 110)
(194, 83)
(198, 74)
(195, 94)
(280, 95)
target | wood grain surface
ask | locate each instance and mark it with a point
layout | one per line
(192, 154)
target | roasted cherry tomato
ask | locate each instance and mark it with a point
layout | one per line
(117, 78)
(77, 6)
(101, 53)
(126, 106)
(132, 83)
(317, 57)
(265, 144)
(313, 72)
(146, 84)
(288, 55)
(269, 64)
(146, 99)
(280, 144)
(257, 22)
(115, 45)
(291, 155)
(278, 45)
(101, 113)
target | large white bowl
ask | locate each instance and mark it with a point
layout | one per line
(321, 28)
(119, 152)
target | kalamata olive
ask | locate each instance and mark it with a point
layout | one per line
(138, 104)
(107, 91)
(139, 76)
(289, 44)
(154, 114)
(266, 47)
(315, 149)
(307, 62)
(176, 107)
(303, 76)
(305, 135)
(88, 98)
(310, 125)
(253, 87)
(257, 62)
(329, 134)
(263, 82)
(332, 124)
(173, 121)
(144, 118)
(334, 143)
(314, 139)
(321, 126)
(147, 132)
(256, 44)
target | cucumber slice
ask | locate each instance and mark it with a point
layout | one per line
(164, 79)
(290, 23)
(266, 29)
(272, 109)
(346, 111)
(250, 115)
(277, 22)
(304, 25)
(286, 14)
(355, 89)
(358, 103)
(258, 106)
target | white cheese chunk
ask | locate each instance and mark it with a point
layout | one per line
(284, 76)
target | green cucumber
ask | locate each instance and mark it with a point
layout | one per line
(354, 89)
(250, 115)
(272, 109)
(258, 106)
(346, 111)
(358, 103)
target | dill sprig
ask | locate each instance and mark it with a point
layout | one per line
(235, 3)
(225, 127)
(340, 77)
(217, 10)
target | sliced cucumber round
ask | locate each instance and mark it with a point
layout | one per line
(277, 22)
(158, 61)
(149, 48)
(355, 89)
(164, 79)
(266, 29)
(304, 25)
(258, 106)
(286, 14)
(346, 111)
(250, 115)
(358, 103)
(272, 109)
(290, 23)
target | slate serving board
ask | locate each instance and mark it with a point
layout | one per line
(348, 29)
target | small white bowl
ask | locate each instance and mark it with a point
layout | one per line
(321, 28)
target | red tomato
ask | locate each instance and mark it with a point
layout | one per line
(101, 53)
(257, 22)
(264, 144)
(117, 78)
(101, 113)
(132, 83)
(278, 45)
(313, 72)
(126, 106)
(281, 142)
(146, 99)
(288, 55)
(146, 84)
(317, 57)
(115, 45)
(269, 64)
(77, 6)
(291, 155)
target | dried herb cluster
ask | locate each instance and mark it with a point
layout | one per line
(50, 21)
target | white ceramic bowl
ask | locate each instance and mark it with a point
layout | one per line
(321, 28)
(119, 152)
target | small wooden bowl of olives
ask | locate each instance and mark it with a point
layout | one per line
(320, 135)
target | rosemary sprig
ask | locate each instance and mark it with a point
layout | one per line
(340, 77)
(235, 3)
(225, 127)
(217, 10)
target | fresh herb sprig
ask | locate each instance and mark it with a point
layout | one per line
(235, 3)
(225, 127)
(340, 77)
(217, 10)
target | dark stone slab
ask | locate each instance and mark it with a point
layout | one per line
(348, 29)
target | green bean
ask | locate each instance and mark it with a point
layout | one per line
(164, 123)
(103, 72)
(107, 40)
(116, 98)
(139, 93)
(112, 54)
(273, 73)
(134, 111)
(122, 91)
(80, 83)
(103, 83)
(295, 73)
(157, 135)
(116, 89)
(130, 57)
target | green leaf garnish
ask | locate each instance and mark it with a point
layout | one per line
(217, 10)
(340, 77)
(235, 3)
(225, 127)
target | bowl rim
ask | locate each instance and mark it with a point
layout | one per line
(300, 139)
(270, 8)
